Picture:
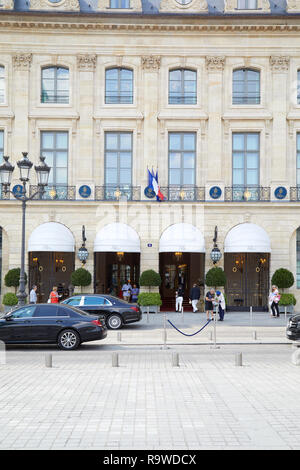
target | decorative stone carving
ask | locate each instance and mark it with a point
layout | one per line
(151, 63)
(231, 6)
(279, 63)
(293, 6)
(64, 5)
(7, 5)
(135, 5)
(22, 61)
(214, 63)
(195, 6)
(86, 62)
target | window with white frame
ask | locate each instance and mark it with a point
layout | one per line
(247, 5)
(2, 84)
(182, 86)
(119, 4)
(55, 85)
(246, 86)
(118, 86)
(54, 146)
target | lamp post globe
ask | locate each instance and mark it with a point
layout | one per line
(215, 255)
(6, 171)
(42, 172)
(83, 254)
(24, 166)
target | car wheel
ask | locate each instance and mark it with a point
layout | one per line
(114, 322)
(68, 339)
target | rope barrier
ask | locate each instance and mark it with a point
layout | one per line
(193, 334)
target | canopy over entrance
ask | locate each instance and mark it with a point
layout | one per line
(247, 238)
(51, 236)
(183, 238)
(117, 237)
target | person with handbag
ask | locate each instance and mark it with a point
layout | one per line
(274, 298)
(54, 297)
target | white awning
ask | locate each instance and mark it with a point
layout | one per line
(117, 237)
(183, 238)
(51, 236)
(247, 238)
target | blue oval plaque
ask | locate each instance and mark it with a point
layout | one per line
(84, 191)
(18, 190)
(215, 192)
(149, 192)
(280, 192)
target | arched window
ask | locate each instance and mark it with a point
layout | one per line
(55, 85)
(2, 84)
(182, 86)
(246, 86)
(118, 86)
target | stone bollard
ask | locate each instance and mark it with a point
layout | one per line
(175, 360)
(2, 353)
(48, 360)
(254, 335)
(119, 336)
(296, 357)
(238, 359)
(115, 360)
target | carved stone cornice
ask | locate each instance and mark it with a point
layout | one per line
(215, 63)
(195, 6)
(151, 63)
(279, 63)
(86, 62)
(22, 61)
(63, 5)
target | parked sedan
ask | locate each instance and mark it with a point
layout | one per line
(113, 311)
(293, 328)
(63, 325)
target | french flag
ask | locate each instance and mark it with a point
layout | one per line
(153, 183)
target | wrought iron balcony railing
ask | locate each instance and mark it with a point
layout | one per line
(295, 193)
(183, 193)
(247, 193)
(56, 193)
(117, 193)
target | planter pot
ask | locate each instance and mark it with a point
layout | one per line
(152, 308)
(289, 308)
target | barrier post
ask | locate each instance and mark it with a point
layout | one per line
(238, 359)
(165, 333)
(2, 353)
(48, 360)
(115, 360)
(251, 315)
(148, 314)
(285, 313)
(182, 314)
(215, 314)
(175, 360)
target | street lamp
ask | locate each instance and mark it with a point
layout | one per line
(42, 172)
(83, 252)
(215, 254)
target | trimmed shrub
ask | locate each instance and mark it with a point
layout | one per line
(215, 277)
(150, 278)
(283, 278)
(12, 278)
(10, 299)
(149, 298)
(81, 277)
(287, 299)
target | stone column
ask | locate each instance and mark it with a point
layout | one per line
(279, 66)
(215, 66)
(86, 64)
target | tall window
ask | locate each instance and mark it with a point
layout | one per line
(118, 86)
(182, 86)
(298, 256)
(54, 146)
(298, 159)
(55, 85)
(246, 87)
(247, 4)
(182, 158)
(1, 145)
(245, 165)
(119, 3)
(2, 84)
(118, 164)
(298, 87)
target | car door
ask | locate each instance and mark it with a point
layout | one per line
(96, 305)
(16, 326)
(45, 324)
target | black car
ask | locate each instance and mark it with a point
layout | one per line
(65, 326)
(293, 328)
(113, 311)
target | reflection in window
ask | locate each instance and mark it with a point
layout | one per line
(298, 256)
(182, 158)
(119, 86)
(247, 4)
(54, 146)
(55, 85)
(119, 4)
(245, 164)
(118, 164)
(182, 87)
(246, 87)
(298, 159)
(2, 84)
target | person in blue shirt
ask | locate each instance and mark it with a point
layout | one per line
(134, 293)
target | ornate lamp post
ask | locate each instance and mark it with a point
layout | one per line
(215, 254)
(83, 252)
(42, 172)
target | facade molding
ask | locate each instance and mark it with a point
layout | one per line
(279, 63)
(86, 62)
(215, 63)
(151, 63)
(62, 5)
(293, 6)
(194, 6)
(22, 61)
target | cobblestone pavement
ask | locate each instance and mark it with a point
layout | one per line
(208, 402)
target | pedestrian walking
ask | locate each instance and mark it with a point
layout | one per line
(54, 297)
(221, 304)
(32, 295)
(134, 293)
(179, 298)
(274, 298)
(209, 308)
(126, 290)
(195, 297)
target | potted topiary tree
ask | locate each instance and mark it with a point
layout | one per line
(283, 279)
(9, 301)
(215, 277)
(12, 278)
(150, 300)
(81, 277)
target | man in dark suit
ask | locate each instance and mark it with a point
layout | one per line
(195, 297)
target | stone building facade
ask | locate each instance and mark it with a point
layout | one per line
(204, 93)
